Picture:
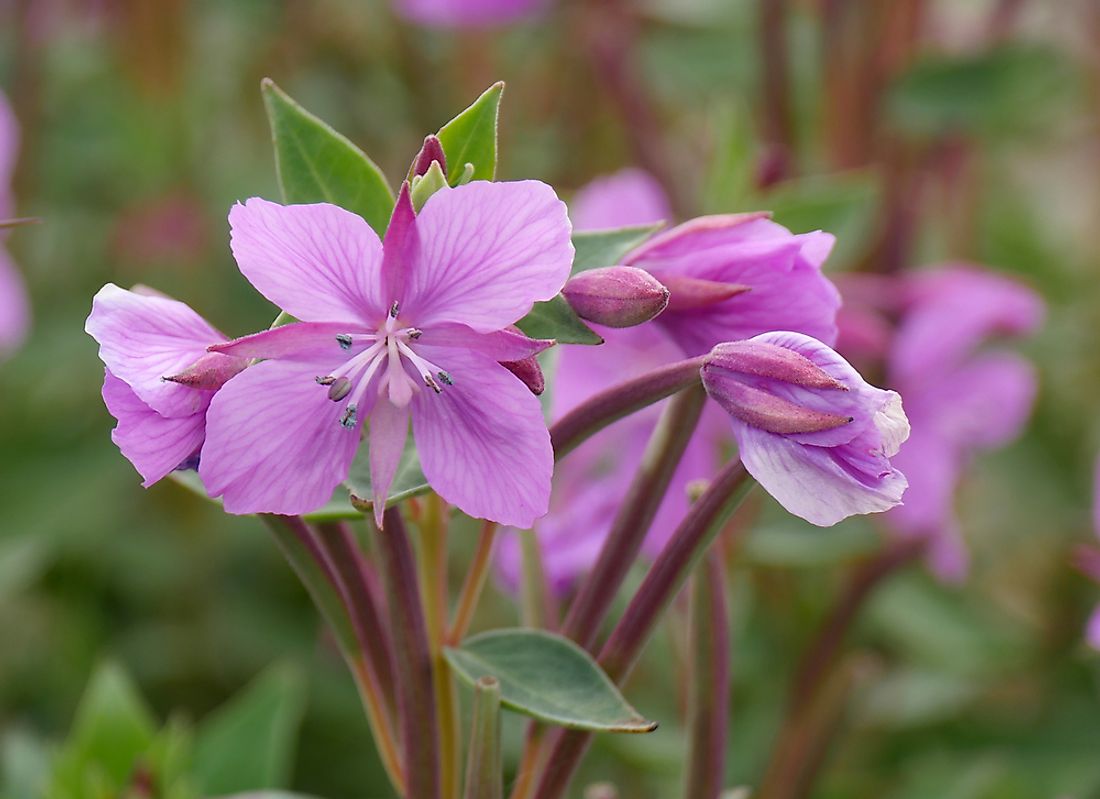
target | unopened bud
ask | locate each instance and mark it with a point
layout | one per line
(424, 186)
(616, 296)
(529, 371)
(210, 372)
(431, 151)
(690, 293)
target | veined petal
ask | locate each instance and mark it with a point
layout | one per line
(313, 342)
(154, 444)
(143, 339)
(389, 427)
(274, 442)
(317, 262)
(400, 248)
(500, 345)
(483, 443)
(488, 252)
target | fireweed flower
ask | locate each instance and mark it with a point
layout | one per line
(467, 13)
(159, 377)
(811, 431)
(14, 307)
(960, 398)
(415, 327)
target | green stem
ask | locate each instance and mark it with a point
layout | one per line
(632, 522)
(484, 778)
(416, 689)
(537, 607)
(474, 584)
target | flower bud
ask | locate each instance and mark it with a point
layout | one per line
(210, 372)
(431, 151)
(690, 293)
(616, 296)
(424, 186)
(529, 371)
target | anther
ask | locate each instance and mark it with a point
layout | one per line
(339, 389)
(446, 378)
(414, 333)
(429, 381)
(327, 380)
(348, 419)
(394, 309)
(344, 340)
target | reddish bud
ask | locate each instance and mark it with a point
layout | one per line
(210, 372)
(689, 293)
(616, 296)
(431, 151)
(529, 371)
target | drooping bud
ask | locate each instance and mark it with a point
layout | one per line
(753, 381)
(529, 371)
(210, 372)
(424, 186)
(616, 296)
(432, 150)
(689, 293)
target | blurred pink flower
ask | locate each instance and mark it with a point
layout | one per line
(1088, 561)
(960, 398)
(628, 197)
(14, 305)
(412, 328)
(467, 13)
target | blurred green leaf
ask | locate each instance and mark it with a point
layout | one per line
(555, 319)
(547, 677)
(471, 137)
(597, 248)
(1005, 90)
(809, 547)
(22, 560)
(24, 766)
(249, 743)
(317, 164)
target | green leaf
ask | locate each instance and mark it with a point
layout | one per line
(555, 319)
(596, 248)
(248, 744)
(408, 481)
(471, 137)
(549, 678)
(317, 164)
(336, 509)
(113, 726)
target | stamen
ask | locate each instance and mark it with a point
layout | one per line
(446, 378)
(327, 380)
(344, 340)
(394, 309)
(348, 419)
(429, 381)
(340, 388)
(413, 333)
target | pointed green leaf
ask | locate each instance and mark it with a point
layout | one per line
(555, 319)
(248, 743)
(471, 137)
(317, 164)
(549, 678)
(597, 248)
(408, 481)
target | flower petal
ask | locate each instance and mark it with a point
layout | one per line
(482, 442)
(500, 345)
(274, 442)
(628, 197)
(318, 262)
(389, 427)
(313, 342)
(488, 252)
(143, 339)
(154, 444)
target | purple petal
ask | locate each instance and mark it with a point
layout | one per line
(627, 198)
(318, 262)
(144, 339)
(14, 307)
(401, 246)
(1092, 630)
(500, 345)
(389, 427)
(467, 13)
(274, 442)
(488, 252)
(154, 444)
(483, 443)
(313, 342)
(947, 556)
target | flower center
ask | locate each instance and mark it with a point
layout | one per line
(388, 354)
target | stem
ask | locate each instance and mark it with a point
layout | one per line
(775, 91)
(483, 767)
(635, 516)
(621, 400)
(537, 607)
(708, 718)
(321, 580)
(529, 762)
(416, 689)
(664, 579)
(474, 583)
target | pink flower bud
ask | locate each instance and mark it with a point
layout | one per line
(690, 293)
(528, 371)
(616, 296)
(431, 151)
(210, 372)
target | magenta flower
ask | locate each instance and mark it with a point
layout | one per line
(412, 328)
(14, 306)
(959, 400)
(811, 431)
(159, 377)
(467, 13)
(628, 197)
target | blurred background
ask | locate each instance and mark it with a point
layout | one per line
(917, 131)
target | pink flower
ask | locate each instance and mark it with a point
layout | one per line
(960, 400)
(627, 198)
(811, 431)
(159, 377)
(414, 328)
(467, 13)
(14, 306)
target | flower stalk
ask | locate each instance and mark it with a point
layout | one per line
(484, 778)
(474, 584)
